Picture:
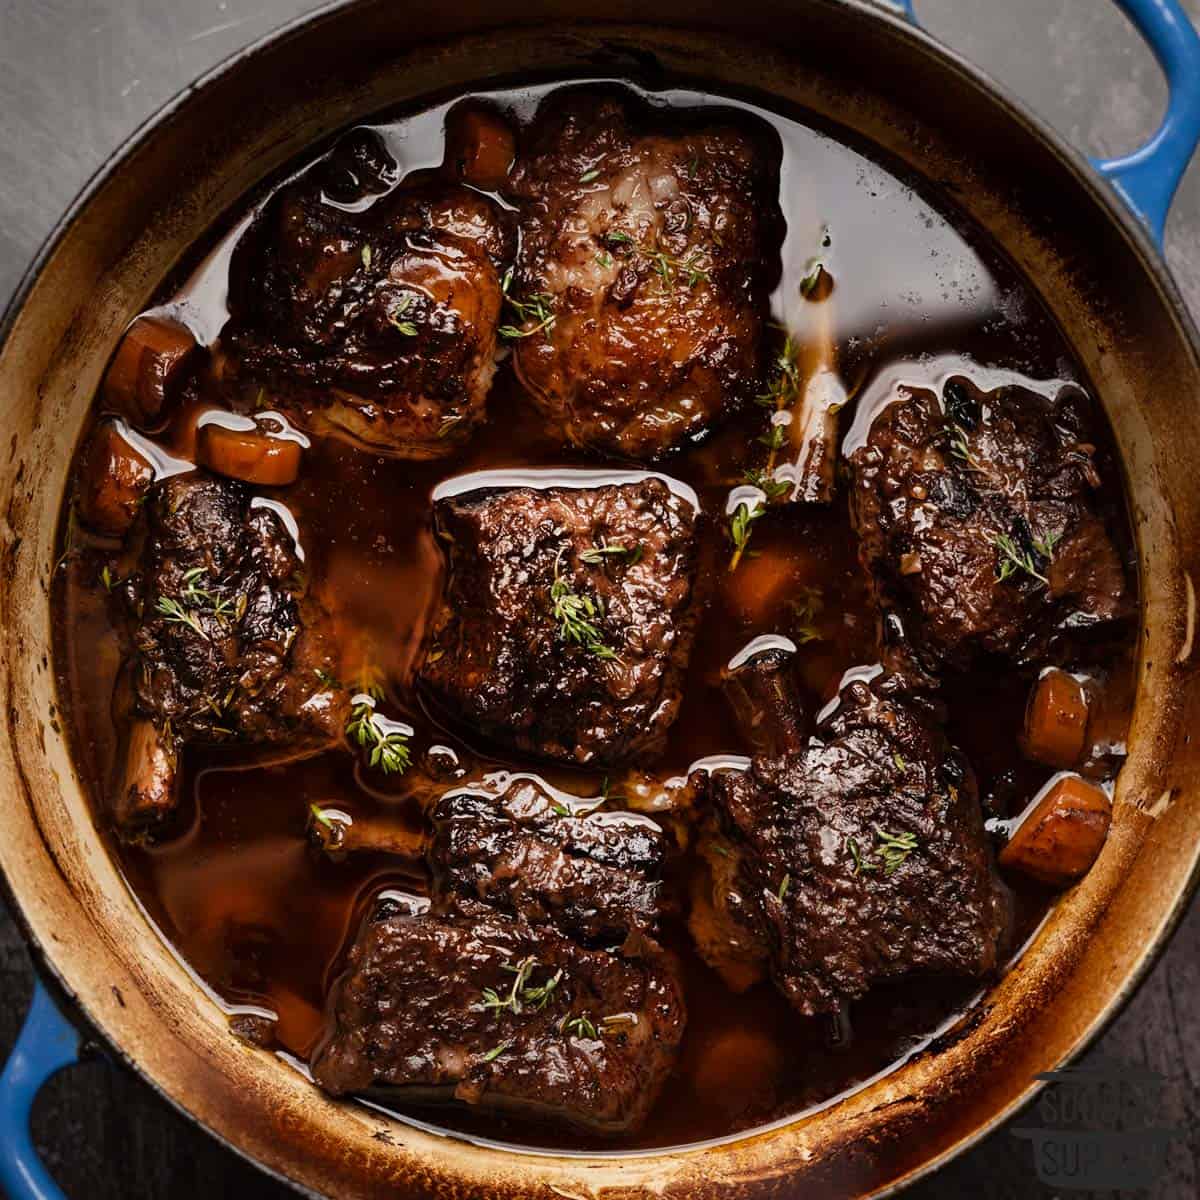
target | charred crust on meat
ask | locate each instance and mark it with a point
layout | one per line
(546, 642)
(368, 306)
(226, 643)
(655, 240)
(492, 1012)
(861, 858)
(980, 529)
(595, 875)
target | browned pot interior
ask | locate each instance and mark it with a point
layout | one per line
(884, 83)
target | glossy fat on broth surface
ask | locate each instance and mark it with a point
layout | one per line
(908, 293)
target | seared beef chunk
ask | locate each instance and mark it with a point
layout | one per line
(567, 618)
(371, 307)
(545, 857)
(979, 528)
(648, 249)
(862, 858)
(227, 645)
(491, 1011)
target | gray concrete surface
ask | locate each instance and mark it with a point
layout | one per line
(77, 76)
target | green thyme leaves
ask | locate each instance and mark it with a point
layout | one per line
(196, 600)
(173, 611)
(670, 268)
(495, 1052)
(385, 741)
(1015, 557)
(523, 994)
(741, 527)
(580, 1027)
(887, 855)
(577, 615)
(396, 318)
(537, 307)
(595, 555)
(893, 848)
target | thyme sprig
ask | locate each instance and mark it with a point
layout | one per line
(894, 848)
(195, 601)
(1014, 558)
(889, 853)
(396, 318)
(861, 862)
(781, 395)
(667, 266)
(206, 600)
(741, 527)
(523, 994)
(537, 307)
(960, 447)
(174, 612)
(595, 555)
(580, 1026)
(388, 747)
(495, 1052)
(577, 615)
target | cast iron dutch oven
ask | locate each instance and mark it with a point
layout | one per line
(1088, 248)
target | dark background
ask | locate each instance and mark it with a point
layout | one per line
(77, 76)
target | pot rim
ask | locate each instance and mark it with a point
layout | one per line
(1084, 174)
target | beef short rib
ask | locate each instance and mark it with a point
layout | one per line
(227, 645)
(491, 1011)
(648, 250)
(367, 306)
(543, 856)
(862, 857)
(567, 617)
(979, 528)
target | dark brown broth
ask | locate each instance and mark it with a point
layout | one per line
(264, 921)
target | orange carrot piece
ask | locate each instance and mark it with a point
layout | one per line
(480, 147)
(112, 483)
(1062, 834)
(147, 369)
(1056, 720)
(250, 455)
(762, 584)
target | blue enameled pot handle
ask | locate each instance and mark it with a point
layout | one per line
(1148, 177)
(47, 1043)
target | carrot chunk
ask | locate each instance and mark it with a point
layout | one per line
(1056, 720)
(112, 482)
(147, 369)
(762, 585)
(251, 455)
(1061, 834)
(480, 147)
